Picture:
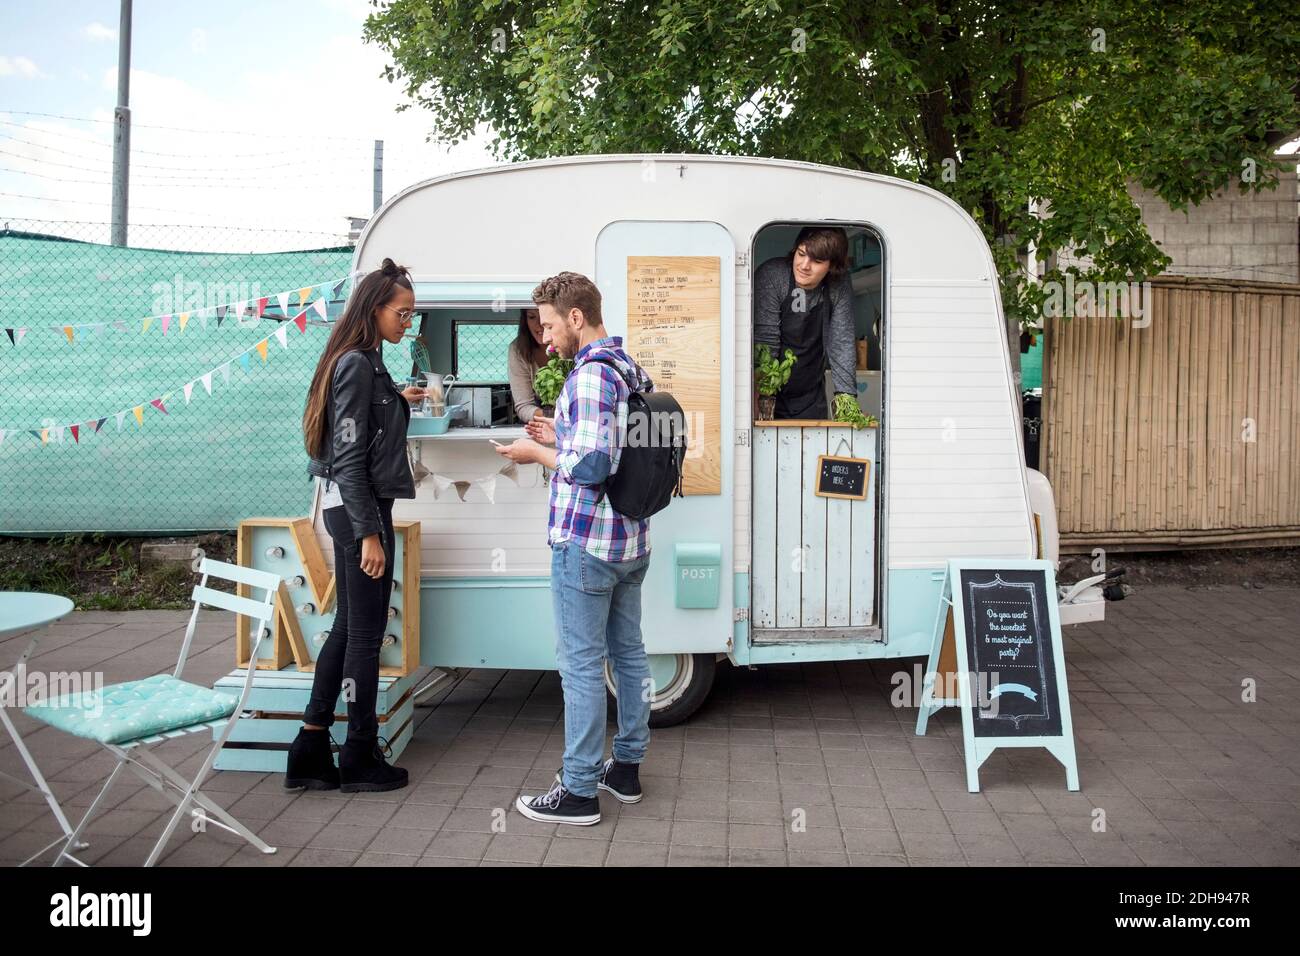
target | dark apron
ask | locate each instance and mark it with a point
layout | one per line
(804, 396)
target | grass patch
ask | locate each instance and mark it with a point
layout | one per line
(105, 572)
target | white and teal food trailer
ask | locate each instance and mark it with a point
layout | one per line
(753, 566)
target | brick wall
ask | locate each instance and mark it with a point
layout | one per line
(1232, 235)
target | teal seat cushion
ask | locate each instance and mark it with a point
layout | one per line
(139, 708)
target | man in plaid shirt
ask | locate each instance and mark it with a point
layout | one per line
(598, 557)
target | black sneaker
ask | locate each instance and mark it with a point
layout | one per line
(558, 805)
(623, 780)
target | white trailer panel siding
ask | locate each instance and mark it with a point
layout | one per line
(955, 476)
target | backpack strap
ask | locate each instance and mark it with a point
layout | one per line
(631, 388)
(618, 369)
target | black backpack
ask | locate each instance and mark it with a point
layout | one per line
(654, 448)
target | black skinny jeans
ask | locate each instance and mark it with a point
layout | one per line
(351, 652)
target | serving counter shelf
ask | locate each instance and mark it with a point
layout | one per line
(501, 433)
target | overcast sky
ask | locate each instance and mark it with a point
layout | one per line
(273, 108)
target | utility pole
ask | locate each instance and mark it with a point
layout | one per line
(122, 128)
(379, 174)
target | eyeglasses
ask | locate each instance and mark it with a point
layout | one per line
(404, 314)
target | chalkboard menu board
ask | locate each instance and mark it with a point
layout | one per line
(997, 655)
(1009, 652)
(674, 331)
(842, 477)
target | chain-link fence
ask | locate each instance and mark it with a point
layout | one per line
(480, 348)
(135, 398)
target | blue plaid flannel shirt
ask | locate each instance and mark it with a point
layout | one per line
(590, 420)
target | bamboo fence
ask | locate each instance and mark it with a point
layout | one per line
(1183, 432)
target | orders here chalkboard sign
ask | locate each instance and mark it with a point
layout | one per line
(997, 656)
(842, 477)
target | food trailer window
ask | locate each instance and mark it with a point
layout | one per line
(473, 343)
(479, 349)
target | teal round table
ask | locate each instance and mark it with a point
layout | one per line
(23, 610)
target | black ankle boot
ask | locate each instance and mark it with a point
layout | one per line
(311, 762)
(362, 768)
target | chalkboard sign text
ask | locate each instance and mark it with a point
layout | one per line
(842, 477)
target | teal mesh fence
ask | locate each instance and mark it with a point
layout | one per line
(86, 356)
(481, 350)
(1031, 366)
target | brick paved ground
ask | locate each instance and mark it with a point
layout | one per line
(1183, 770)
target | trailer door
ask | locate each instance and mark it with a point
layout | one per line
(669, 289)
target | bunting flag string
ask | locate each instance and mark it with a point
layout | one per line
(485, 483)
(159, 402)
(248, 309)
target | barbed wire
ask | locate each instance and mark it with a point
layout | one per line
(296, 182)
(206, 147)
(182, 129)
(6, 221)
(299, 168)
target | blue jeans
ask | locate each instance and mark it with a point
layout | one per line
(598, 615)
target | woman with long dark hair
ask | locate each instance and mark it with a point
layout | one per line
(354, 428)
(527, 355)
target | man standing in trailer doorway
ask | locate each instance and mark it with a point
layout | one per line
(803, 301)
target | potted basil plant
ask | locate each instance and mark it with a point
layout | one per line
(550, 379)
(770, 376)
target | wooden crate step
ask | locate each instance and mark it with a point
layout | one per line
(265, 747)
(282, 728)
(288, 691)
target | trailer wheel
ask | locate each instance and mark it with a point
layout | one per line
(682, 683)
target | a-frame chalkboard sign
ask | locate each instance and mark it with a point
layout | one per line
(997, 656)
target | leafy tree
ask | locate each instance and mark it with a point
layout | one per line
(998, 104)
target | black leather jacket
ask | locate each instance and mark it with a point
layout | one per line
(369, 456)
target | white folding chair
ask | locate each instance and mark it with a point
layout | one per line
(128, 718)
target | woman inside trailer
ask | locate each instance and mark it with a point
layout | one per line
(803, 301)
(527, 355)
